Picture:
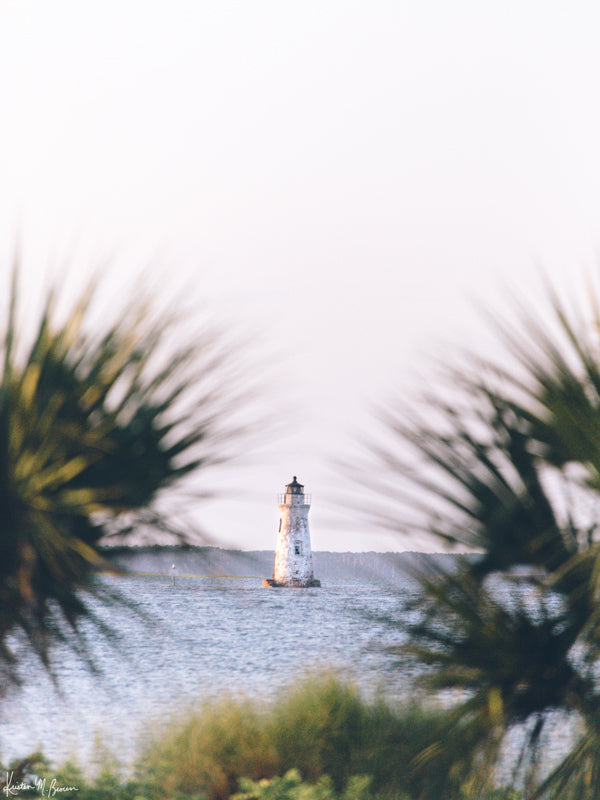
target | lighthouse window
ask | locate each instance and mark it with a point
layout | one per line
(297, 550)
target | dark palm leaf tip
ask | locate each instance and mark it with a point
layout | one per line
(481, 458)
(94, 427)
(561, 396)
(471, 480)
(499, 637)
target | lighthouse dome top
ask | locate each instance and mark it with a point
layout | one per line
(294, 487)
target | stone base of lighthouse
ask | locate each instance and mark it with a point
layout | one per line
(271, 583)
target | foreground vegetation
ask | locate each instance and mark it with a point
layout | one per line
(503, 459)
(97, 421)
(321, 741)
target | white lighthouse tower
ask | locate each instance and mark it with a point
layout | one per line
(293, 556)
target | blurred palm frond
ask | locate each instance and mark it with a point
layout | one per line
(504, 464)
(94, 427)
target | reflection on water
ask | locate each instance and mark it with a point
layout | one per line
(199, 638)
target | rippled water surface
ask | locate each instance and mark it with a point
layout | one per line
(199, 638)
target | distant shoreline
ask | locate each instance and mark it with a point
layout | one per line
(212, 561)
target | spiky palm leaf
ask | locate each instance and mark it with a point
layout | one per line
(499, 462)
(93, 426)
(470, 478)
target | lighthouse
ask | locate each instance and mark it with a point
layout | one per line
(293, 556)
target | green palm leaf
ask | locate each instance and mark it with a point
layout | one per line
(504, 464)
(94, 427)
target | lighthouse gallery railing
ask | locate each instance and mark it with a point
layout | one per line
(281, 498)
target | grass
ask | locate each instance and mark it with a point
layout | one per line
(318, 740)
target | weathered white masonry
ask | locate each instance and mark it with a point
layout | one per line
(293, 556)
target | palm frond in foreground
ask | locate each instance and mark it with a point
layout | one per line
(504, 465)
(94, 427)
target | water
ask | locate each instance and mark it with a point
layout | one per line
(198, 639)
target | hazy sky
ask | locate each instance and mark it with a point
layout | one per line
(338, 179)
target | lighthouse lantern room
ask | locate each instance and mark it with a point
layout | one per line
(293, 556)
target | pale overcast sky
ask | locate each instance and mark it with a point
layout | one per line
(340, 179)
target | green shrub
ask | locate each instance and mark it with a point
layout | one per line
(321, 741)
(207, 752)
(325, 727)
(321, 728)
(292, 787)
